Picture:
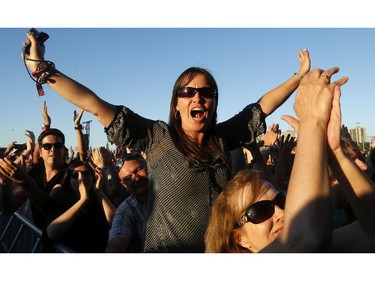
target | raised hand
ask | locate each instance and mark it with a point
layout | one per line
(315, 95)
(77, 117)
(304, 61)
(15, 172)
(46, 117)
(36, 52)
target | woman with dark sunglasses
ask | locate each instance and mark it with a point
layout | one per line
(251, 215)
(188, 158)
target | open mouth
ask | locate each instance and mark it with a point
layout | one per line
(197, 113)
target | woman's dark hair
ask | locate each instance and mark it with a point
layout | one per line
(180, 139)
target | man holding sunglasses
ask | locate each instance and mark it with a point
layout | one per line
(127, 233)
(19, 185)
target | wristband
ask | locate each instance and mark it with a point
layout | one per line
(45, 127)
(266, 148)
(298, 74)
(79, 127)
(44, 70)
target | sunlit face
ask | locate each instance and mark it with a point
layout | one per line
(198, 111)
(255, 237)
(134, 176)
(53, 158)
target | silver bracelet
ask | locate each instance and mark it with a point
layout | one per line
(298, 74)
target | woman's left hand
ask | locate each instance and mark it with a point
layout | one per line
(304, 61)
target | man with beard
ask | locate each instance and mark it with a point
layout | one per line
(127, 233)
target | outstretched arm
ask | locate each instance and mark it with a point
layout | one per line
(277, 96)
(69, 89)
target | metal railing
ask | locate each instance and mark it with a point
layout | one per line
(19, 235)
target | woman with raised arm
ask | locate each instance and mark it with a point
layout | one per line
(188, 157)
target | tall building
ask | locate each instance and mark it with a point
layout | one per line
(358, 134)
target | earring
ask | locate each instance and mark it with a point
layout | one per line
(177, 115)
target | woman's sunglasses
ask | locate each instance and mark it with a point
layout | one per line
(56, 146)
(189, 92)
(262, 210)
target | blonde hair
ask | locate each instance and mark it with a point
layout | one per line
(239, 193)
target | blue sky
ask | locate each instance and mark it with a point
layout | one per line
(134, 60)
(138, 66)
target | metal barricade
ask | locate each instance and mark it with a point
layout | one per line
(19, 235)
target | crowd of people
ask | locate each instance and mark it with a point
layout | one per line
(194, 185)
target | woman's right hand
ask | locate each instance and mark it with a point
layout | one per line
(36, 52)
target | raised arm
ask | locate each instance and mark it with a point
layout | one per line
(108, 207)
(66, 87)
(273, 99)
(46, 125)
(359, 190)
(307, 223)
(82, 149)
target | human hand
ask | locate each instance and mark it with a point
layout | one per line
(293, 122)
(255, 152)
(30, 142)
(71, 150)
(97, 157)
(286, 144)
(101, 178)
(334, 124)
(315, 95)
(14, 172)
(101, 157)
(46, 117)
(77, 117)
(84, 186)
(304, 61)
(9, 147)
(36, 52)
(270, 137)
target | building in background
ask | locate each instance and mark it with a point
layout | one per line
(358, 134)
(292, 133)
